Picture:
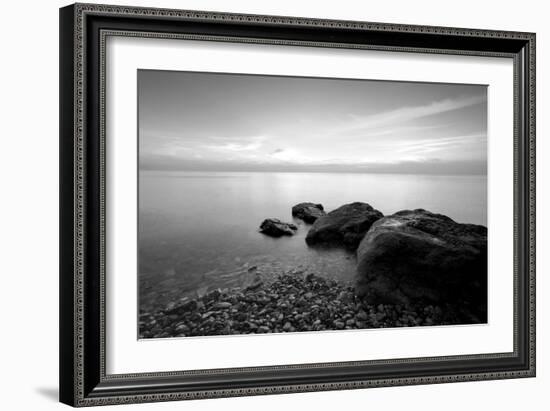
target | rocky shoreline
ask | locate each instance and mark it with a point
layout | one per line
(293, 302)
(414, 268)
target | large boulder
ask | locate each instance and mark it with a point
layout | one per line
(346, 226)
(309, 212)
(421, 256)
(276, 228)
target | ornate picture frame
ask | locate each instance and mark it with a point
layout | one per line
(84, 30)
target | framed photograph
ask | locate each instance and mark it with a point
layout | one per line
(262, 204)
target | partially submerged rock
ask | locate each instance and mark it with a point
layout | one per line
(308, 212)
(346, 226)
(421, 256)
(276, 228)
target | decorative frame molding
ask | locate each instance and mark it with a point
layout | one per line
(83, 32)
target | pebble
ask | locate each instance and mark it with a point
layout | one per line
(339, 324)
(290, 303)
(362, 315)
(223, 305)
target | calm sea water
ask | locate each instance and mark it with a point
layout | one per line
(199, 230)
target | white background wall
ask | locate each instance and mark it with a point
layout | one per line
(29, 204)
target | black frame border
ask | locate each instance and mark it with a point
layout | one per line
(83, 30)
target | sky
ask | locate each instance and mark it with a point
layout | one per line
(233, 122)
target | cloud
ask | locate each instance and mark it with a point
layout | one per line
(315, 126)
(236, 144)
(392, 130)
(290, 155)
(406, 114)
(444, 144)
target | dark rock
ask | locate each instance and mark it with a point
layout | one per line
(346, 226)
(308, 212)
(276, 228)
(421, 256)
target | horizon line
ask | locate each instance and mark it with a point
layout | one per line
(303, 172)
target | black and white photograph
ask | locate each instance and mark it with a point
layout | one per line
(272, 199)
(275, 204)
